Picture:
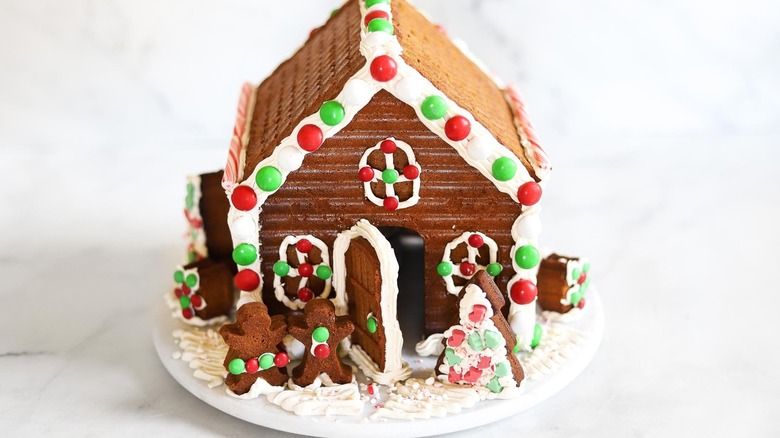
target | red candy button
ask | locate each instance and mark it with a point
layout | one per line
(196, 301)
(322, 351)
(366, 174)
(383, 68)
(583, 277)
(390, 203)
(581, 304)
(523, 292)
(529, 193)
(247, 280)
(187, 313)
(305, 270)
(411, 171)
(457, 128)
(244, 198)
(305, 294)
(467, 269)
(281, 359)
(376, 14)
(303, 245)
(476, 241)
(310, 138)
(388, 146)
(252, 365)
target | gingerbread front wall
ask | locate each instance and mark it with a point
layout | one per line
(326, 197)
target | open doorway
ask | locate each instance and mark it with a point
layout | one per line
(409, 250)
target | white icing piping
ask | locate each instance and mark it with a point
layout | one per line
(395, 366)
(279, 287)
(389, 164)
(430, 346)
(522, 317)
(204, 351)
(471, 257)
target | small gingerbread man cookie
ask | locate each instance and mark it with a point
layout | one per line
(320, 331)
(256, 349)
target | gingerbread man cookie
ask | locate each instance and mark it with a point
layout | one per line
(256, 349)
(320, 331)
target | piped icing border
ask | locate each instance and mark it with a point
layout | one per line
(385, 70)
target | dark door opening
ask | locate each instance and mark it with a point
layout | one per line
(409, 249)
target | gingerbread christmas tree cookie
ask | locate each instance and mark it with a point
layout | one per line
(320, 331)
(254, 340)
(478, 350)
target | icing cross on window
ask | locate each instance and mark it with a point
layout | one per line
(304, 270)
(470, 264)
(371, 175)
(187, 286)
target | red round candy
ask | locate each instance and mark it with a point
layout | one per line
(281, 359)
(252, 365)
(457, 128)
(185, 289)
(376, 14)
(196, 301)
(178, 292)
(366, 174)
(476, 241)
(388, 146)
(303, 246)
(529, 193)
(244, 198)
(467, 269)
(390, 203)
(581, 304)
(305, 270)
(583, 277)
(305, 294)
(310, 138)
(187, 313)
(322, 351)
(523, 292)
(383, 68)
(247, 280)
(411, 171)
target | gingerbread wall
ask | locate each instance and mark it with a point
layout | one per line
(325, 197)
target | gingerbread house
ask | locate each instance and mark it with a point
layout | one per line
(381, 122)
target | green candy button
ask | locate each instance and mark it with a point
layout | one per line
(192, 280)
(324, 272)
(504, 169)
(320, 334)
(494, 269)
(575, 274)
(178, 277)
(380, 25)
(244, 254)
(370, 3)
(268, 178)
(371, 324)
(434, 107)
(389, 176)
(266, 361)
(576, 297)
(332, 113)
(281, 268)
(444, 269)
(527, 256)
(236, 366)
(185, 302)
(537, 336)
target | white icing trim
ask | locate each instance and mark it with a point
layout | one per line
(430, 346)
(395, 367)
(279, 287)
(389, 164)
(522, 317)
(471, 257)
(320, 398)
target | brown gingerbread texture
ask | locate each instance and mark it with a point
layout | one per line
(497, 301)
(552, 283)
(216, 287)
(254, 334)
(320, 331)
(214, 208)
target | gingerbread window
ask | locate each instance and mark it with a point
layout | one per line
(464, 256)
(302, 272)
(390, 175)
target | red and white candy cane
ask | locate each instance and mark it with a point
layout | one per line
(230, 178)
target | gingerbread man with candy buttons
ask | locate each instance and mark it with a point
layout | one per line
(320, 331)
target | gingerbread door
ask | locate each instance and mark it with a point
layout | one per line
(364, 295)
(365, 277)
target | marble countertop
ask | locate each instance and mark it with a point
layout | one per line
(662, 119)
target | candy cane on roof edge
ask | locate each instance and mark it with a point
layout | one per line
(230, 178)
(528, 137)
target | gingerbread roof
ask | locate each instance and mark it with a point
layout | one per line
(335, 53)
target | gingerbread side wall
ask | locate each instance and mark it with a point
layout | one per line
(326, 197)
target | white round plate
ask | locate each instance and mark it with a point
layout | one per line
(261, 412)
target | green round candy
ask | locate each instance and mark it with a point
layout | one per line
(380, 25)
(191, 280)
(332, 113)
(444, 269)
(237, 366)
(185, 302)
(320, 334)
(537, 336)
(266, 361)
(527, 256)
(575, 274)
(586, 267)
(178, 276)
(575, 297)
(389, 176)
(494, 269)
(268, 178)
(245, 254)
(504, 169)
(189, 201)
(281, 268)
(324, 272)
(371, 324)
(370, 3)
(434, 107)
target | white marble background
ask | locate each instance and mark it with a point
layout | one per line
(662, 118)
